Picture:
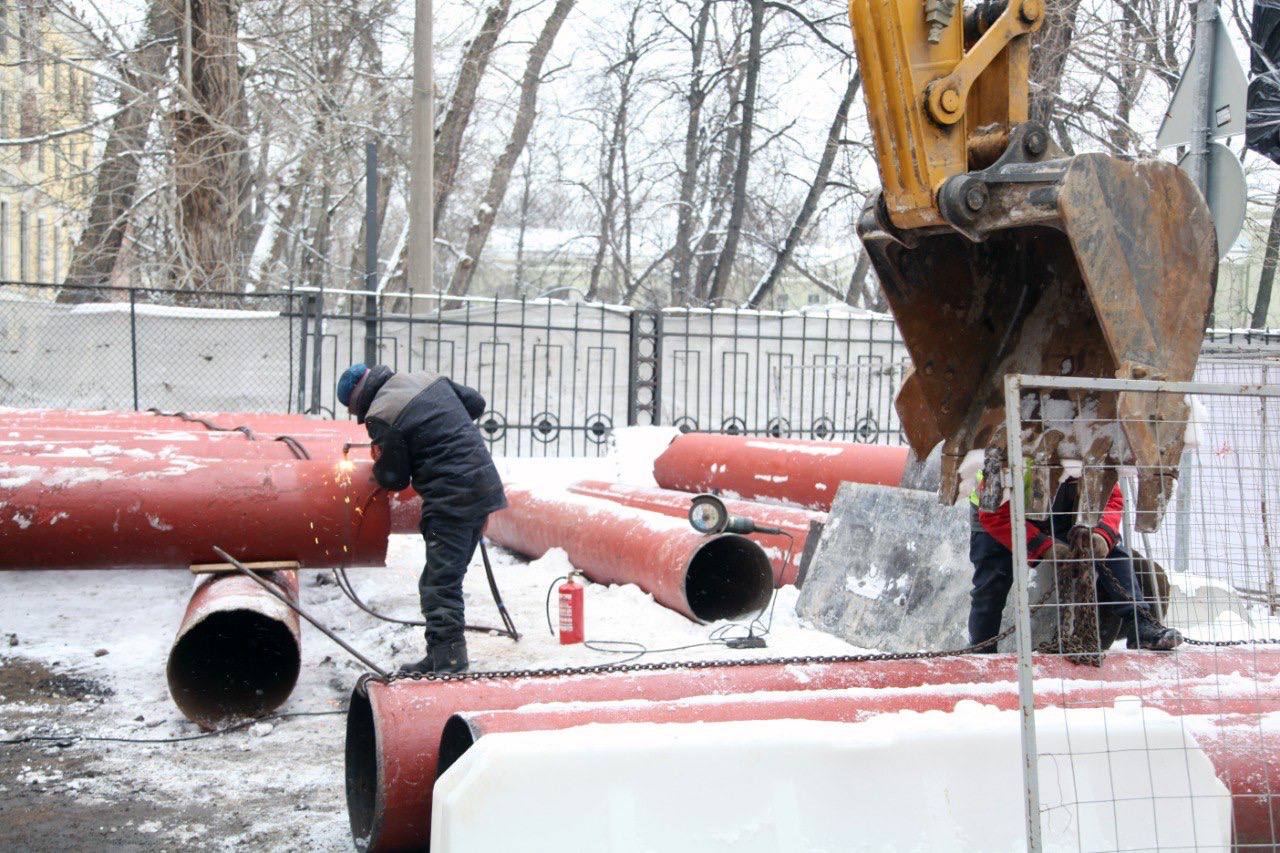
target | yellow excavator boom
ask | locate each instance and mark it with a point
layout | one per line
(999, 254)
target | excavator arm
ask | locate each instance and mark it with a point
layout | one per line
(999, 254)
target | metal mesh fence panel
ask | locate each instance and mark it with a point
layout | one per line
(1189, 756)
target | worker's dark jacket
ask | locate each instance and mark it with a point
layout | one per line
(422, 424)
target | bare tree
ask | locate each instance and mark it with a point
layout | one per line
(1266, 280)
(448, 148)
(742, 168)
(142, 73)
(810, 204)
(482, 222)
(207, 150)
(696, 96)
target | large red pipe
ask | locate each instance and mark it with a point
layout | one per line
(707, 578)
(195, 443)
(792, 471)
(238, 651)
(125, 513)
(1233, 739)
(94, 419)
(394, 728)
(160, 446)
(676, 504)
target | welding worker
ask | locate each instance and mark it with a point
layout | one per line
(423, 432)
(1059, 539)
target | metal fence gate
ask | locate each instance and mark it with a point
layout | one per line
(559, 377)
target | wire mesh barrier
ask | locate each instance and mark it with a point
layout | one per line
(126, 348)
(1165, 570)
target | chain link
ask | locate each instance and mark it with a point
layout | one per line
(594, 669)
(804, 660)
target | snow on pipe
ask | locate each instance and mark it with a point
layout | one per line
(706, 578)
(124, 513)
(102, 446)
(676, 504)
(298, 425)
(193, 442)
(394, 728)
(238, 650)
(793, 471)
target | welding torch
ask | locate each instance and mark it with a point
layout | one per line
(346, 464)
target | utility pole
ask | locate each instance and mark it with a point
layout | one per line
(371, 253)
(1206, 40)
(420, 254)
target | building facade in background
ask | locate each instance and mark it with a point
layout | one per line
(46, 115)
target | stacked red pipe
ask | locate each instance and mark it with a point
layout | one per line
(795, 472)
(783, 550)
(107, 490)
(402, 733)
(704, 578)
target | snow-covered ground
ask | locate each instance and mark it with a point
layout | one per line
(83, 654)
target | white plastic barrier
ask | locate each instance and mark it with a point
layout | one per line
(906, 781)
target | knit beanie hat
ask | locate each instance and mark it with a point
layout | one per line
(348, 381)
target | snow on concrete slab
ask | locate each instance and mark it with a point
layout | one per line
(1122, 778)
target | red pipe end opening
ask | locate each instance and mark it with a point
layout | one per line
(363, 809)
(728, 577)
(456, 738)
(233, 664)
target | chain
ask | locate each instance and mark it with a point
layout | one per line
(606, 669)
(805, 660)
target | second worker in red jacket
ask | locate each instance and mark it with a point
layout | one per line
(1057, 538)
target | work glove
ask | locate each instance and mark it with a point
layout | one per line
(1060, 553)
(1089, 544)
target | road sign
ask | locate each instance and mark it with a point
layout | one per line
(1227, 195)
(1227, 98)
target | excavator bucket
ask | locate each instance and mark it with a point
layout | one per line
(1088, 266)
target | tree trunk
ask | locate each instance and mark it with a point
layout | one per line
(810, 205)
(482, 222)
(93, 260)
(614, 151)
(682, 287)
(207, 143)
(475, 61)
(1262, 304)
(729, 252)
(1049, 52)
(720, 188)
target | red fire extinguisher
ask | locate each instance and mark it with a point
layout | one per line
(572, 629)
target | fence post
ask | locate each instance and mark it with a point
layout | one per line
(317, 354)
(133, 340)
(302, 353)
(1022, 612)
(644, 369)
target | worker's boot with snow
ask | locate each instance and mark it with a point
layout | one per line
(446, 657)
(1155, 637)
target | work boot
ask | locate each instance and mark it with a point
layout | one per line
(447, 657)
(1155, 637)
